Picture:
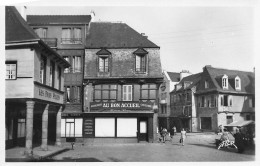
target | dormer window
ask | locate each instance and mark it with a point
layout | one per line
(140, 60)
(237, 83)
(103, 60)
(225, 82)
(206, 84)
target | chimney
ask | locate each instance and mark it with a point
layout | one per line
(22, 11)
(143, 34)
(184, 73)
(206, 67)
(92, 13)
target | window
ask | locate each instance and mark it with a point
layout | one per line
(103, 64)
(104, 127)
(21, 128)
(251, 102)
(230, 100)
(203, 103)
(43, 70)
(225, 100)
(105, 92)
(76, 64)
(41, 32)
(140, 63)
(71, 127)
(126, 123)
(9, 129)
(127, 92)
(229, 119)
(52, 74)
(225, 82)
(76, 94)
(66, 69)
(71, 36)
(206, 84)
(67, 93)
(163, 108)
(237, 83)
(148, 92)
(212, 101)
(10, 70)
(208, 103)
(59, 78)
(188, 96)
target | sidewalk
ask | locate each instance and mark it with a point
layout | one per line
(17, 154)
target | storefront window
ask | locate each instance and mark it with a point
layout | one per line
(105, 127)
(71, 127)
(126, 127)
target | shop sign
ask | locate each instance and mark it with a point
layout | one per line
(89, 127)
(47, 94)
(71, 115)
(122, 105)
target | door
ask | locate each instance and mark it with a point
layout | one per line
(142, 130)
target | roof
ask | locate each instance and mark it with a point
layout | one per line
(18, 32)
(58, 19)
(247, 80)
(193, 79)
(240, 123)
(175, 77)
(115, 35)
(16, 29)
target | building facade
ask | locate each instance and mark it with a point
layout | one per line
(183, 105)
(218, 97)
(122, 77)
(170, 80)
(224, 96)
(34, 87)
(67, 35)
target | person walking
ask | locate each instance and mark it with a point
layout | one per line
(164, 133)
(173, 130)
(183, 136)
(239, 141)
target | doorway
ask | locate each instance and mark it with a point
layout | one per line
(143, 130)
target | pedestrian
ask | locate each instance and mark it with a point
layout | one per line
(183, 136)
(173, 130)
(239, 141)
(164, 133)
(224, 136)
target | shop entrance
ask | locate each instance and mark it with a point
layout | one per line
(142, 130)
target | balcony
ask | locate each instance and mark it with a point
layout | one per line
(71, 40)
(51, 42)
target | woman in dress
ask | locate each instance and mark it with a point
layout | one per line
(183, 136)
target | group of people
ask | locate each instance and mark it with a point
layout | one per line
(239, 138)
(174, 130)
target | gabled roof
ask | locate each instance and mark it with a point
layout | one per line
(247, 80)
(16, 29)
(175, 77)
(58, 19)
(140, 51)
(115, 35)
(103, 52)
(193, 79)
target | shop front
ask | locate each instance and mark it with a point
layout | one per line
(119, 122)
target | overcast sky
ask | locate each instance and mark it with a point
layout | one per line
(189, 37)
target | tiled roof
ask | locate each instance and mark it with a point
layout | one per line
(58, 19)
(16, 29)
(115, 35)
(175, 77)
(194, 79)
(247, 80)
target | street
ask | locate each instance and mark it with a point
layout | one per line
(200, 148)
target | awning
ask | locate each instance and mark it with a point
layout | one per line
(240, 123)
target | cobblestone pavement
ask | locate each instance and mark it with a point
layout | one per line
(199, 147)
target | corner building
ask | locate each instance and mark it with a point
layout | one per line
(34, 87)
(121, 81)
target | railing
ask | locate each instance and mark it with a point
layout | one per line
(71, 40)
(52, 42)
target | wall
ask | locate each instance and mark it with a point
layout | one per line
(122, 63)
(22, 87)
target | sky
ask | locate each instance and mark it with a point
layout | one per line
(189, 37)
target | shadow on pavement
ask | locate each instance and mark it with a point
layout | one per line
(69, 159)
(114, 159)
